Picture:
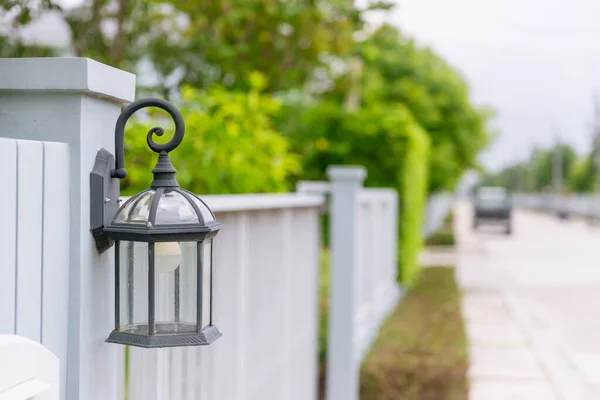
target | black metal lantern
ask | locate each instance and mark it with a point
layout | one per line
(163, 247)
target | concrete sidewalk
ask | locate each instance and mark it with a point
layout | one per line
(530, 304)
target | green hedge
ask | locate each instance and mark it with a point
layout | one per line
(385, 140)
(413, 198)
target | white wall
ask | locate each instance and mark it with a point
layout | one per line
(74, 103)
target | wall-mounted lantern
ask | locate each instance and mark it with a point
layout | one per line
(163, 246)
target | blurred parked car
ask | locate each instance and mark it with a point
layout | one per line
(561, 208)
(492, 205)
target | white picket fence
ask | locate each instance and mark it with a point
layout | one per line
(364, 287)
(377, 268)
(56, 290)
(438, 206)
(265, 303)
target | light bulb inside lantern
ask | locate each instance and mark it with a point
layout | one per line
(168, 256)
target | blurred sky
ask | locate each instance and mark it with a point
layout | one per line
(536, 62)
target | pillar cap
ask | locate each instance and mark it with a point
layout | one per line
(67, 74)
(347, 173)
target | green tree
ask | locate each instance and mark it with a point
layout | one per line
(121, 46)
(231, 144)
(385, 139)
(536, 173)
(396, 70)
(200, 43)
(220, 41)
(17, 14)
(581, 175)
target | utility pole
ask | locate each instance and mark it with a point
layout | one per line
(557, 167)
(534, 169)
(557, 174)
(595, 181)
(596, 144)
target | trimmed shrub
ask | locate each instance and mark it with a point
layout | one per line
(385, 140)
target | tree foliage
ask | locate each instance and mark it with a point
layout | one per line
(200, 43)
(221, 41)
(396, 70)
(15, 14)
(385, 140)
(112, 32)
(536, 174)
(231, 144)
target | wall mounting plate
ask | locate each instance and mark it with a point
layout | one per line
(104, 198)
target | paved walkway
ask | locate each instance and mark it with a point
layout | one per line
(531, 303)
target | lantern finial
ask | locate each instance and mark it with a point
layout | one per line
(164, 172)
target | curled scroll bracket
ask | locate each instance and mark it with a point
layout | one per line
(120, 172)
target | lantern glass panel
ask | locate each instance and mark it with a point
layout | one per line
(133, 287)
(174, 208)
(136, 211)
(176, 268)
(206, 283)
(207, 215)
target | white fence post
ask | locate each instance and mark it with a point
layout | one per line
(342, 368)
(74, 101)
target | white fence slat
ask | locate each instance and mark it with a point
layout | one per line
(176, 373)
(137, 381)
(265, 306)
(29, 238)
(393, 235)
(145, 380)
(304, 321)
(232, 294)
(204, 376)
(286, 267)
(191, 375)
(8, 215)
(55, 257)
(121, 372)
(162, 372)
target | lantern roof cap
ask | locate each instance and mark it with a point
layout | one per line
(164, 211)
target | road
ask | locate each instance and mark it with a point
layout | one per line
(531, 303)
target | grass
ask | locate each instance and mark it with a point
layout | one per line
(421, 352)
(324, 281)
(445, 235)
